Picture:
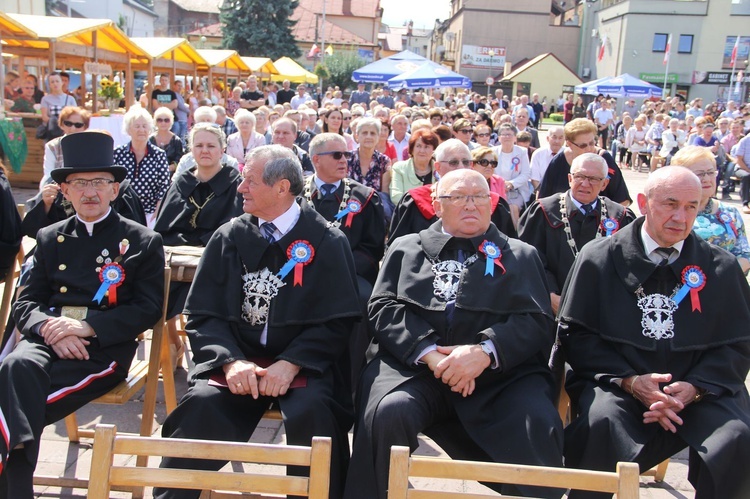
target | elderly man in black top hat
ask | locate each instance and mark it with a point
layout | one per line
(96, 283)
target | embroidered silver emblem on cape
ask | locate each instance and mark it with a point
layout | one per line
(657, 312)
(447, 275)
(259, 289)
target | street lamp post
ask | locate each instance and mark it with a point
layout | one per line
(490, 80)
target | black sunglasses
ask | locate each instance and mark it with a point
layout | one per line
(163, 120)
(70, 123)
(337, 155)
(486, 162)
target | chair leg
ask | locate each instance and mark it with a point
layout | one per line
(71, 425)
(661, 471)
(167, 371)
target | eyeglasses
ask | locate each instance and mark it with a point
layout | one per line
(466, 130)
(347, 118)
(337, 155)
(73, 123)
(463, 200)
(486, 162)
(579, 177)
(704, 174)
(163, 120)
(80, 184)
(455, 163)
(586, 145)
(486, 134)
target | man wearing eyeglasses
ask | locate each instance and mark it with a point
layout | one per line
(416, 210)
(558, 226)
(96, 284)
(358, 212)
(461, 317)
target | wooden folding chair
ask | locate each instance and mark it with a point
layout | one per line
(624, 482)
(142, 373)
(9, 287)
(107, 444)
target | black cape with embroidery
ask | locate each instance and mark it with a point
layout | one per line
(415, 213)
(602, 337)
(308, 325)
(511, 308)
(367, 232)
(65, 273)
(542, 227)
(555, 179)
(127, 204)
(176, 210)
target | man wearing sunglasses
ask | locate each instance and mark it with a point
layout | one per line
(463, 328)
(576, 216)
(358, 212)
(416, 212)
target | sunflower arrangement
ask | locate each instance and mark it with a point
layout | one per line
(110, 89)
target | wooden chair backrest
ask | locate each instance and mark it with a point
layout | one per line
(624, 483)
(104, 474)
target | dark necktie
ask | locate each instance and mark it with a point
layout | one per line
(664, 254)
(587, 209)
(327, 189)
(268, 229)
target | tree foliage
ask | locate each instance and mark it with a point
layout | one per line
(260, 28)
(340, 67)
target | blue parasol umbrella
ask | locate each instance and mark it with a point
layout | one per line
(383, 70)
(624, 85)
(429, 75)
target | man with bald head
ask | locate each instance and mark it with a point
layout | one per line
(416, 210)
(474, 353)
(559, 225)
(653, 321)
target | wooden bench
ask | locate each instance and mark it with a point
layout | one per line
(624, 482)
(107, 443)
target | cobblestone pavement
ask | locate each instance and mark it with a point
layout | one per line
(58, 456)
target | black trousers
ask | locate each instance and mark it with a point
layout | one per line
(214, 413)
(38, 388)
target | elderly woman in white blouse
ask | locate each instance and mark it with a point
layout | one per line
(245, 139)
(672, 140)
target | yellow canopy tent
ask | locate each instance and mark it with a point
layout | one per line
(290, 70)
(227, 59)
(261, 66)
(12, 29)
(74, 39)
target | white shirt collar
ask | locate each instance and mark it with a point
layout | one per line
(651, 246)
(319, 182)
(594, 204)
(283, 222)
(90, 225)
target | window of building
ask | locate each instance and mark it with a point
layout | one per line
(660, 42)
(686, 44)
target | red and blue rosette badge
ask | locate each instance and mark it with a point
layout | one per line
(516, 161)
(693, 280)
(610, 226)
(352, 208)
(300, 253)
(493, 254)
(112, 276)
(728, 222)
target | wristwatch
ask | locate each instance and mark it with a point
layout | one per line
(488, 350)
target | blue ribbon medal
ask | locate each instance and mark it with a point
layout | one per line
(300, 253)
(352, 208)
(693, 280)
(493, 254)
(112, 275)
(610, 226)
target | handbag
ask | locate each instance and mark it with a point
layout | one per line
(41, 132)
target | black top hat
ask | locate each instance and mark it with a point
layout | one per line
(88, 152)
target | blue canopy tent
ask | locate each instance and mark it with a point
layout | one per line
(383, 70)
(429, 75)
(624, 85)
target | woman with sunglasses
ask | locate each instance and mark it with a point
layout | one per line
(485, 162)
(580, 138)
(417, 170)
(72, 119)
(164, 139)
(484, 120)
(462, 130)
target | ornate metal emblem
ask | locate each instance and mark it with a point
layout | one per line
(259, 288)
(447, 275)
(657, 319)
